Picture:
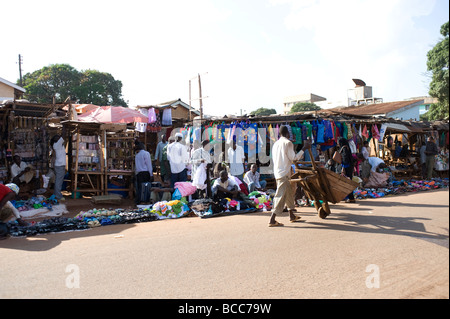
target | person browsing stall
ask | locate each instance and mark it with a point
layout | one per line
(178, 157)
(59, 164)
(143, 169)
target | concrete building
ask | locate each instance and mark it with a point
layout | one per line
(290, 101)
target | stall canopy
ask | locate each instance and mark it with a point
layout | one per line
(113, 114)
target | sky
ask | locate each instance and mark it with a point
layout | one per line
(248, 53)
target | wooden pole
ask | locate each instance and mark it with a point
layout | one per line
(201, 100)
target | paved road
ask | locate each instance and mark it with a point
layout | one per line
(394, 247)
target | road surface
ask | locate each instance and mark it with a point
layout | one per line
(393, 247)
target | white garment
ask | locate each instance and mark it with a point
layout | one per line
(15, 170)
(143, 162)
(196, 159)
(365, 152)
(178, 157)
(60, 153)
(374, 162)
(140, 127)
(200, 177)
(283, 156)
(249, 177)
(236, 159)
(229, 184)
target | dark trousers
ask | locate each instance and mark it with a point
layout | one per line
(141, 177)
(178, 177)
(349, 173)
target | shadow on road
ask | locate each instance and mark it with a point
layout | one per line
(45, 242)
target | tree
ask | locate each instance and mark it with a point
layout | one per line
(438, 64)
(58, 80)
(304, 107)
(262, 111)
(100, 88)
(62, 80)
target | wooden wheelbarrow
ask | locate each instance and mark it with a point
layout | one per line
(322, 185)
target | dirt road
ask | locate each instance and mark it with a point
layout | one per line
(394, 247)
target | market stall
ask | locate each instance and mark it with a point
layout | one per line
(101, 159)
(26, 129)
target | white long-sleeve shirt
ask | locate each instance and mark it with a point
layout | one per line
(143, 162)
(178, 157)
(283, 156)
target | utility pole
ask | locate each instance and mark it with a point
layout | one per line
(200, 96)
(20, 70)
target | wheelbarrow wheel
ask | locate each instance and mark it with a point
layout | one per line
(322, 213)
(326, 207)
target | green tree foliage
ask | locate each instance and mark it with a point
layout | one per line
(438, 64)
(304, 107)
(262, 111)
(62, 80)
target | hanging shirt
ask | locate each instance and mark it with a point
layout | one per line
(167, 117)
(283, 156)
(196, 159)
(236, 159)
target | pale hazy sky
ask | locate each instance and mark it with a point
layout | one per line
(249, 53)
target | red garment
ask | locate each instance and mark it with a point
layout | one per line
(4, 190)
(365, 133)
(375, 133)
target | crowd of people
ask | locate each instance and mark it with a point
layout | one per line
(179, 163)
(224, 176)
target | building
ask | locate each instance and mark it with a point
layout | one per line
(180, 110)
(290, 101)
(10, 91)
(403, 110)
(362, 94)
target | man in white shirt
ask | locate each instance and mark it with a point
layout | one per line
(224, 187)
(251, 178)
(374, 162)
(143, 170)
(178, 158)
(236, 158)
(59, 164)
(283, 156)
(20, 171)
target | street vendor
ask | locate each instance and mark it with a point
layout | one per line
(8, 193)
(23, 174)
(283, 156)
(225, 187)
(252, 179)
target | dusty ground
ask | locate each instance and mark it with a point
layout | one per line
(400, 243)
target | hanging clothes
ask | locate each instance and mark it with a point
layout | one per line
(365, 133)
(167, 117)
(155, 126)
(151, 115)
(375, 133)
